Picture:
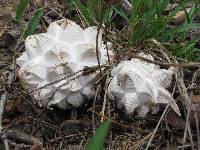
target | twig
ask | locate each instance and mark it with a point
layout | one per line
(15, 53)
(54, 11)
(181, 87)
(23, 137)
(65, 137)
(158, 124)
(142, 141)
(94, 104)
(80, 147)
(105, 98)
(183, 92)
(56, 81)
(5, 141)
(22, 146)
(120, 124)
(195, 112)
(184, 147)
(193, 88)
(107, 50)
(2, 104)
(181, 65)
(84, 72)
(117, 123)
(46, 124)
(166, 64)
(97, 47)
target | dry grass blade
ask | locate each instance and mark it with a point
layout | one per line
(142, 141)
(187, 101)
(105, 117)
(158, 124)
(2, 104)
(105, 98)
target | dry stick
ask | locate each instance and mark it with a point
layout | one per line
(106, 35)
(55, 11)
(56, 81)
(155, 130)
(165, 52)
(183, 91)
(23, 137)
(196, 64)
(14, 55)
(142, 141)
(188, 128)
(105, 99)
(5, 141)
(2, 104)
(194, 88)
(195, 112)
(182, 65)
(64, 137)
(46, 124)
(97, 48)
(80, 144)
(94, 103)
(188, 104)
(185, 96)
(120, 124)
(84, 71)
(184, 147)
(127, 144)
(109, 115)
(18, 146)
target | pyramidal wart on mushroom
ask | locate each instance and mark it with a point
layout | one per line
(63, 50)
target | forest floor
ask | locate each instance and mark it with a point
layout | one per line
(25, 125)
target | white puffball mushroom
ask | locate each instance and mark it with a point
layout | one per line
(64, 49)
(136, 83)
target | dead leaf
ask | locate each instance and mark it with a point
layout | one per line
(174, 121)
(179, 18)
(6, 120)
(2, 32)
(36, 147)
(195, 99)
(5, 11)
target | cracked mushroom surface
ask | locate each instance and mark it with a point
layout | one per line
(136, 84)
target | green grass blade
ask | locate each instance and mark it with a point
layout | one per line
(85, 12)
(33, 22)
(21, 8)
(119, 11)
(181, 29)
(98, 139)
